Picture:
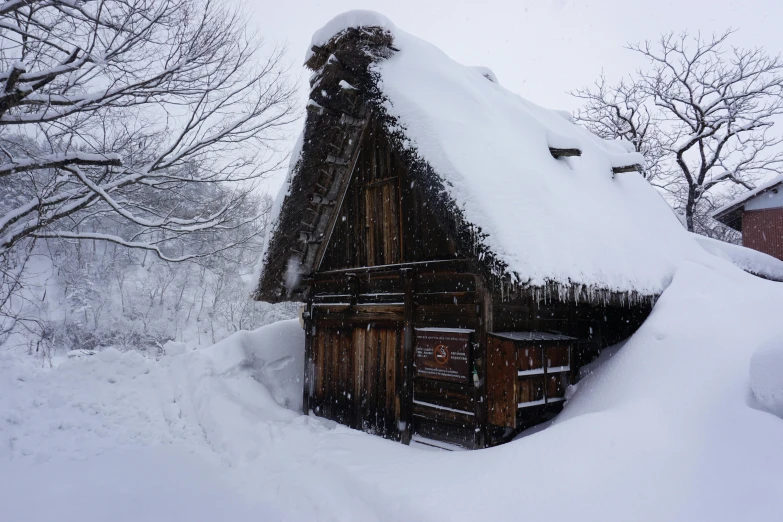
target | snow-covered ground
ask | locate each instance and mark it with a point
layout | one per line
(668, 429)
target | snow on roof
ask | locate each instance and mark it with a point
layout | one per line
(567, 220)
(346, 20)
(741, 200)
(747, 259)
(564, 220)
(486, 72)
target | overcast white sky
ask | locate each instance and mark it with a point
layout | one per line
(538, 49)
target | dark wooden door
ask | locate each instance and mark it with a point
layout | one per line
(356, 377)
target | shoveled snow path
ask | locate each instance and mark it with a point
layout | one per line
(667, 429)
(196, 432)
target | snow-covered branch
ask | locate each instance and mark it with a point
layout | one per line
(144, 123)
(711, 108)
(52, 161)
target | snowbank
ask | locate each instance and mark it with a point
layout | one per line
(747, 259)
(766, 376)
(160, 484)
(93, 404)
(272, 355)
(663, 430)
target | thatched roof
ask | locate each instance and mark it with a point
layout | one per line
(543, 205)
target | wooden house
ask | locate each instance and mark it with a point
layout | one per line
(461, 252)
(758, 215)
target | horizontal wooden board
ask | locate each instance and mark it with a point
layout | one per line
(444, 393)
(447, 298)
(449, 316)
(441, 414)
(445, 282)
(444, 431)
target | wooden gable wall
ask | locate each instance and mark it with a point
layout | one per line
(384, 218)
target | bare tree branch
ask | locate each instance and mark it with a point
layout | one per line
(703, 112)
(146, 124)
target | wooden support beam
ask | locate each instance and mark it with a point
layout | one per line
(347, 119)
(307, 389)
(352, 282)
(317, 49)
(406, 395)
(319, 109)
(331, 158)
(308, 237)
(320, 200)
(627, 168)
(562, 153)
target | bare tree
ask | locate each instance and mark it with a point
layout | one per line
(711, 107)
(623, 111)
(116, 107)
(155, 116)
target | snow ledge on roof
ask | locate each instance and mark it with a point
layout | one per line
(749, 260)
(343, 21)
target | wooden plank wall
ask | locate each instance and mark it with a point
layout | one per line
(356, 350)
(517, 401)
(501, 382)
(355, 372)
(384, 218)
(603, 325)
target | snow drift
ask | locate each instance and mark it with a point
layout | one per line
(766, 376)
(747, 259)
(669, 428)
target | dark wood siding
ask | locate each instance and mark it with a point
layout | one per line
(366, 310)
(355, 376)
(384, 218)
(597, 325)
(501, 386)
(528, 380)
